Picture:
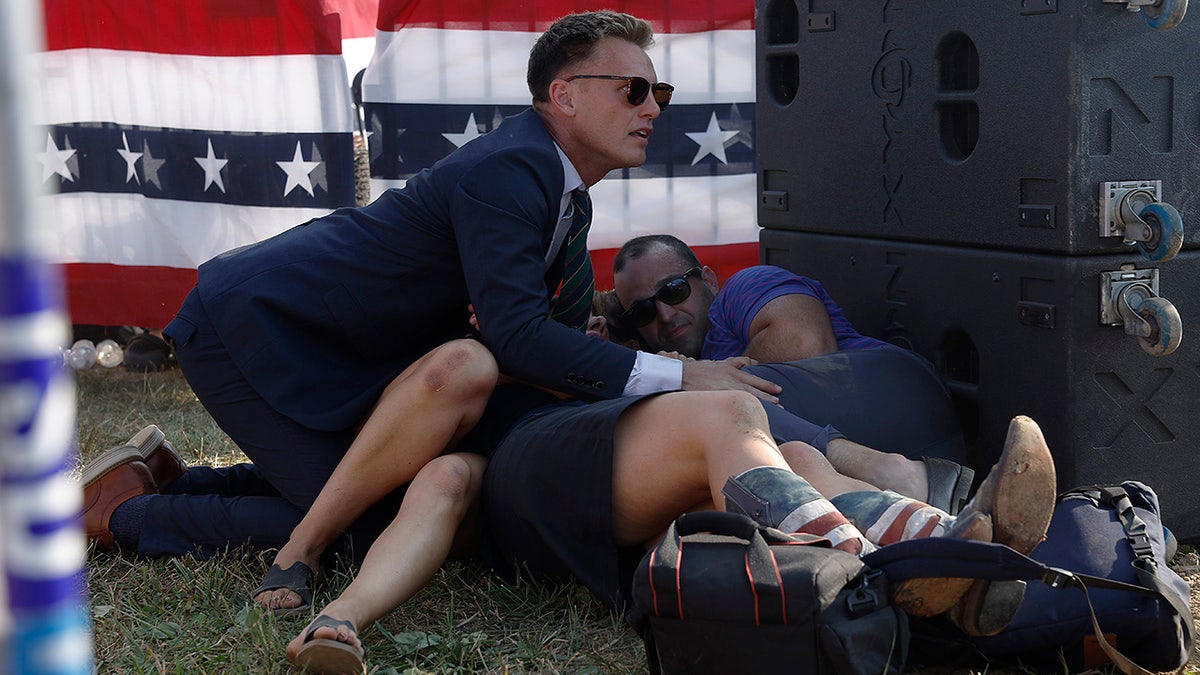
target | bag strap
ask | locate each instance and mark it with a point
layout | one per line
(770, 603)
(1144, 565)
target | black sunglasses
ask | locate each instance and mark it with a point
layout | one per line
(639, 88)
(642, 312)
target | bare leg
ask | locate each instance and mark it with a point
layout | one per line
(409, 552)
(428, 407)
(808, 462)
(674, 451)
(885, 470)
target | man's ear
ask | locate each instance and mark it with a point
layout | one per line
(561, 97)
(709, 277)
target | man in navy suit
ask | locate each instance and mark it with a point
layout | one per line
(290, 342)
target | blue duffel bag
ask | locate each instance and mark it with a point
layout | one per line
(1105, 592)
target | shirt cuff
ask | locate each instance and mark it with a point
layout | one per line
(652, 373)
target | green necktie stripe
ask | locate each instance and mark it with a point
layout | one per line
(574, 303)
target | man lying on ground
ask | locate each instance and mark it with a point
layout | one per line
(867, 394)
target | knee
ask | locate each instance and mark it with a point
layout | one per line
(464, 366)
(803, 458)
(743, 407)
(728, 410)
(446, 481)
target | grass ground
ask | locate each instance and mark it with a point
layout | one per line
(194, 616)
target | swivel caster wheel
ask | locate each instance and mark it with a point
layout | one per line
(1167, 329)
(1153, 319)
(1164, 14)
(1166, 231)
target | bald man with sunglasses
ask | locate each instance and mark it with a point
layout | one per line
(837, 384)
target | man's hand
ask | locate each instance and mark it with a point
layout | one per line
(728, 374)
(474, 319)
(677, 356)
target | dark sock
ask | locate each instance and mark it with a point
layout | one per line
(127, 519)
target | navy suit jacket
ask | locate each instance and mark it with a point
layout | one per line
(322, 317)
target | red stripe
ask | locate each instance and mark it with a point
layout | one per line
(782, 590)
(724, 259)
(678, 581)
(896, 529)
(667, 16)
(650, 580)
(359, 17)
(118, 295)
(753, 588)
(825, 523)
(199, 27)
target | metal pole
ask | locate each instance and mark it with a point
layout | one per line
(43, 618)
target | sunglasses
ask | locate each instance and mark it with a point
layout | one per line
(642, 312)
(638, 88)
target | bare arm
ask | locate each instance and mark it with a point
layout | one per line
(789, 328)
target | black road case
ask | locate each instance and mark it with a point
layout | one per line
(1014, 124)
(1018, 333)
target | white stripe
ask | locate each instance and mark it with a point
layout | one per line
(703, 211)
(916, 521)
(429, 65)
(357, 53)
(295, 93)
(127, 229)
(876, 530)
(919, 519)
(806, 513)
(32, 336)
(848, 532)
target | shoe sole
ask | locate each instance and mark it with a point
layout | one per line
(1024, 495)
(327, 656)
(931, 596)
(988, 607)
(142, 444)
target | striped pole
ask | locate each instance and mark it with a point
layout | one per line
(43, 619)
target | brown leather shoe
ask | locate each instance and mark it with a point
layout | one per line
(165, 464)
(142, 443)
(150, 446)
(108, 491)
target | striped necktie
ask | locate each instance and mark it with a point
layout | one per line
(574, 303)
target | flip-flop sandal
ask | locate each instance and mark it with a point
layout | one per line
(298, 579)
(327, 655)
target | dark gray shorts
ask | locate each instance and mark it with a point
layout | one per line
(547, 501)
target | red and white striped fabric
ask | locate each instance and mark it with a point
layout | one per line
(446, 72)
(178, 129)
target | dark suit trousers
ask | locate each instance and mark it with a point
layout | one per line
(209, 510)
